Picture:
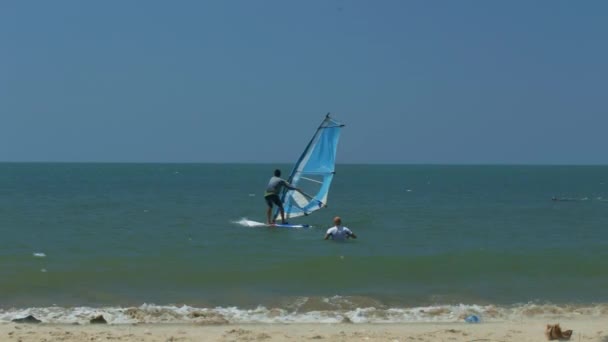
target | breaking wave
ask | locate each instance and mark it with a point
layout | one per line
(305, 310)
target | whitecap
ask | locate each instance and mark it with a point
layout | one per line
(249, 223)
(151, 313)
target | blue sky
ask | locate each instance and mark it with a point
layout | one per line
(249, 81)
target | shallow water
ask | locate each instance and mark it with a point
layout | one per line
(121, 235)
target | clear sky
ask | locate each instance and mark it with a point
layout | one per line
(249, 81)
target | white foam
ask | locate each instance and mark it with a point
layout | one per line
(249, 223)
(150, 313)
(39, 255)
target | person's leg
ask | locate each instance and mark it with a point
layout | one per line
(269, 201)
(277, 201)
(282, 215)
(268, 214)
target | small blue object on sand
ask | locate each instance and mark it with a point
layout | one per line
(472, 319)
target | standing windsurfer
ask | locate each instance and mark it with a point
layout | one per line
(271, 196)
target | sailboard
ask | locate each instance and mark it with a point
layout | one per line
(312, 173)
(249, 223)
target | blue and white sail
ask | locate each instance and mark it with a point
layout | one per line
(313, 172)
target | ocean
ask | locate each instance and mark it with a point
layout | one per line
(166, 243)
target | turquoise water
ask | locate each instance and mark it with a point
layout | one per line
(122, 235)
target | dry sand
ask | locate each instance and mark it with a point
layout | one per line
(591, 329)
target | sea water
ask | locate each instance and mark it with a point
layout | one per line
(164, 243)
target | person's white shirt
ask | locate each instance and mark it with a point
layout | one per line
(339, 233)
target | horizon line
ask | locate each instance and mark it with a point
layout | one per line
(289, 163)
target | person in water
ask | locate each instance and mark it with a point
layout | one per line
(271, 196)
(339, 232)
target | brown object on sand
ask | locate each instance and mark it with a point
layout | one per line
(554, 332)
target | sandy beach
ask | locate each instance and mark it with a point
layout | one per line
(588, 329)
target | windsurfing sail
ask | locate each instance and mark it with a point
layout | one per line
(313, 172)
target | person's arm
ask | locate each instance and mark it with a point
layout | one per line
(290, 187)
(350, 234)
(328, 234)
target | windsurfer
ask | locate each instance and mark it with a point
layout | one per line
(271, 196)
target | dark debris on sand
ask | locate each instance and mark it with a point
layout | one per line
(29, 319)
(98, 320)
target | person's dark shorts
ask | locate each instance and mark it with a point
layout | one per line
(274, 198)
